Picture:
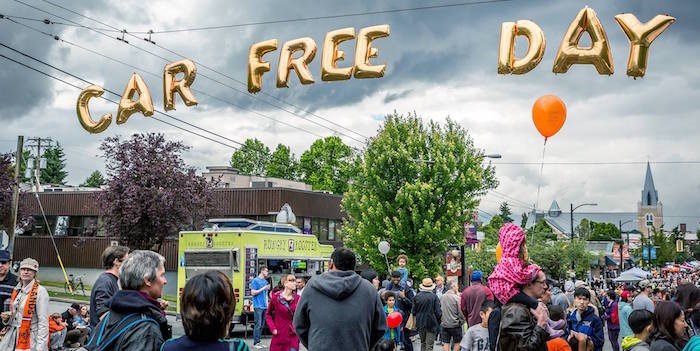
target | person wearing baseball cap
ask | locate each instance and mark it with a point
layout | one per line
(8, 281)
(624, 308)
(28, 319)
(643, 300)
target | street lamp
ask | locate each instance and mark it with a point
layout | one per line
(573, 263)
(493, 156)
(628, 242)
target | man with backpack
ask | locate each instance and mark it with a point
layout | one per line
(135, 320)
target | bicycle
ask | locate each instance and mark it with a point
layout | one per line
(76, 283)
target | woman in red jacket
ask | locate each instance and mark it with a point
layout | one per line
(280, 314)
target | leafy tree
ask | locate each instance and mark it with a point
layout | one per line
(551, 257)
(491, 230)
(665, 246)
(327, 165)
(152, 194)
(523, 220)
(576, 252)
(483, 258)
(540, 233)
(415, 187)
(95, 180)
(26, 155)
(252, 158)
(282, 164)
(54, 173)
(505, 212)
(7, 183)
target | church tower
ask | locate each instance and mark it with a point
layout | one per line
(650, 212)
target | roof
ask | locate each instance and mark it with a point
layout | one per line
(650, 197)
(562, 222)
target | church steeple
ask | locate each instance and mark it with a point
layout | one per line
(649, 195)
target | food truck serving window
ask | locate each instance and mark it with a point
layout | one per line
(212, 258)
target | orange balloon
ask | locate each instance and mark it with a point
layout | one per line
(549, 115)
(499, 252)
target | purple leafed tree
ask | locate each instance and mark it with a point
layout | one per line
(152, 194)
(7, 181)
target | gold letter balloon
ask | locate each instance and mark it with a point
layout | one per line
(127, 105)
(256, 66)
(364, 51)
(299, 64)
(598, 54)
(641, 35)
(331, 54)
(507, 62)
(182, 86)
(84, 112)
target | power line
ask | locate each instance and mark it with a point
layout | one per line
(56, 37)
(243, 92)
(112, 101)
(421, 8)
(116, 94)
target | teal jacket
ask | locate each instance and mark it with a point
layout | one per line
(693, 344)
(624, 310)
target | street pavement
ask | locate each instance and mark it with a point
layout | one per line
(240, 332)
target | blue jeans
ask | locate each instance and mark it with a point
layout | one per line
(259, 315)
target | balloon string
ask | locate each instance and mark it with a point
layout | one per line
(539, 183)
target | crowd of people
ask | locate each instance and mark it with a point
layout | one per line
(517, 307)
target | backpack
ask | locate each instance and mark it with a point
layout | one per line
(102, 342)
(615, 315)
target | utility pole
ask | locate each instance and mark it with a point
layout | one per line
(36, 142)
(15, 196)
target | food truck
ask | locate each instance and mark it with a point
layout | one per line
(239, 246)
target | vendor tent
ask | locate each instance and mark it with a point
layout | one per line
(634, 274)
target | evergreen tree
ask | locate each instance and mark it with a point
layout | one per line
(523, 220)
(54, 173)
(95, 180)
(505, 212)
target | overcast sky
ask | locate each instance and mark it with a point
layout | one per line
(440, 62)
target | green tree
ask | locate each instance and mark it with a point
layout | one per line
(95, 180)
(282, 164)
(327, 165)
(505, 212)
(26, 155)
(576, 252)
(604, 232)
(540, 233)
(252, 158)
(415, 187)
(584, 229)
(54, 173)
(482, 258)
(523, 220)
(491, 230)
(665, 246)
(551, 257)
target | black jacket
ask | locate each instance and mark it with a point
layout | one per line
(519, 330)
(143, 336)
(426, 308)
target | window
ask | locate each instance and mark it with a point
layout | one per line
(649, 219)
(324, 229)
(331, 229)
(316, 227)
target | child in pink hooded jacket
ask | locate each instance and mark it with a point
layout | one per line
(513, 271)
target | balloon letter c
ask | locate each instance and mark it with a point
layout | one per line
(84, 112)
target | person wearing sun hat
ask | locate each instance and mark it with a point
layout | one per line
(426, 308)
(28, 319)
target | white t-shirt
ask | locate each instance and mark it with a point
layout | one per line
(476, 339)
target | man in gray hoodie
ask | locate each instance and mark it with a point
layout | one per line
(339, 310)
